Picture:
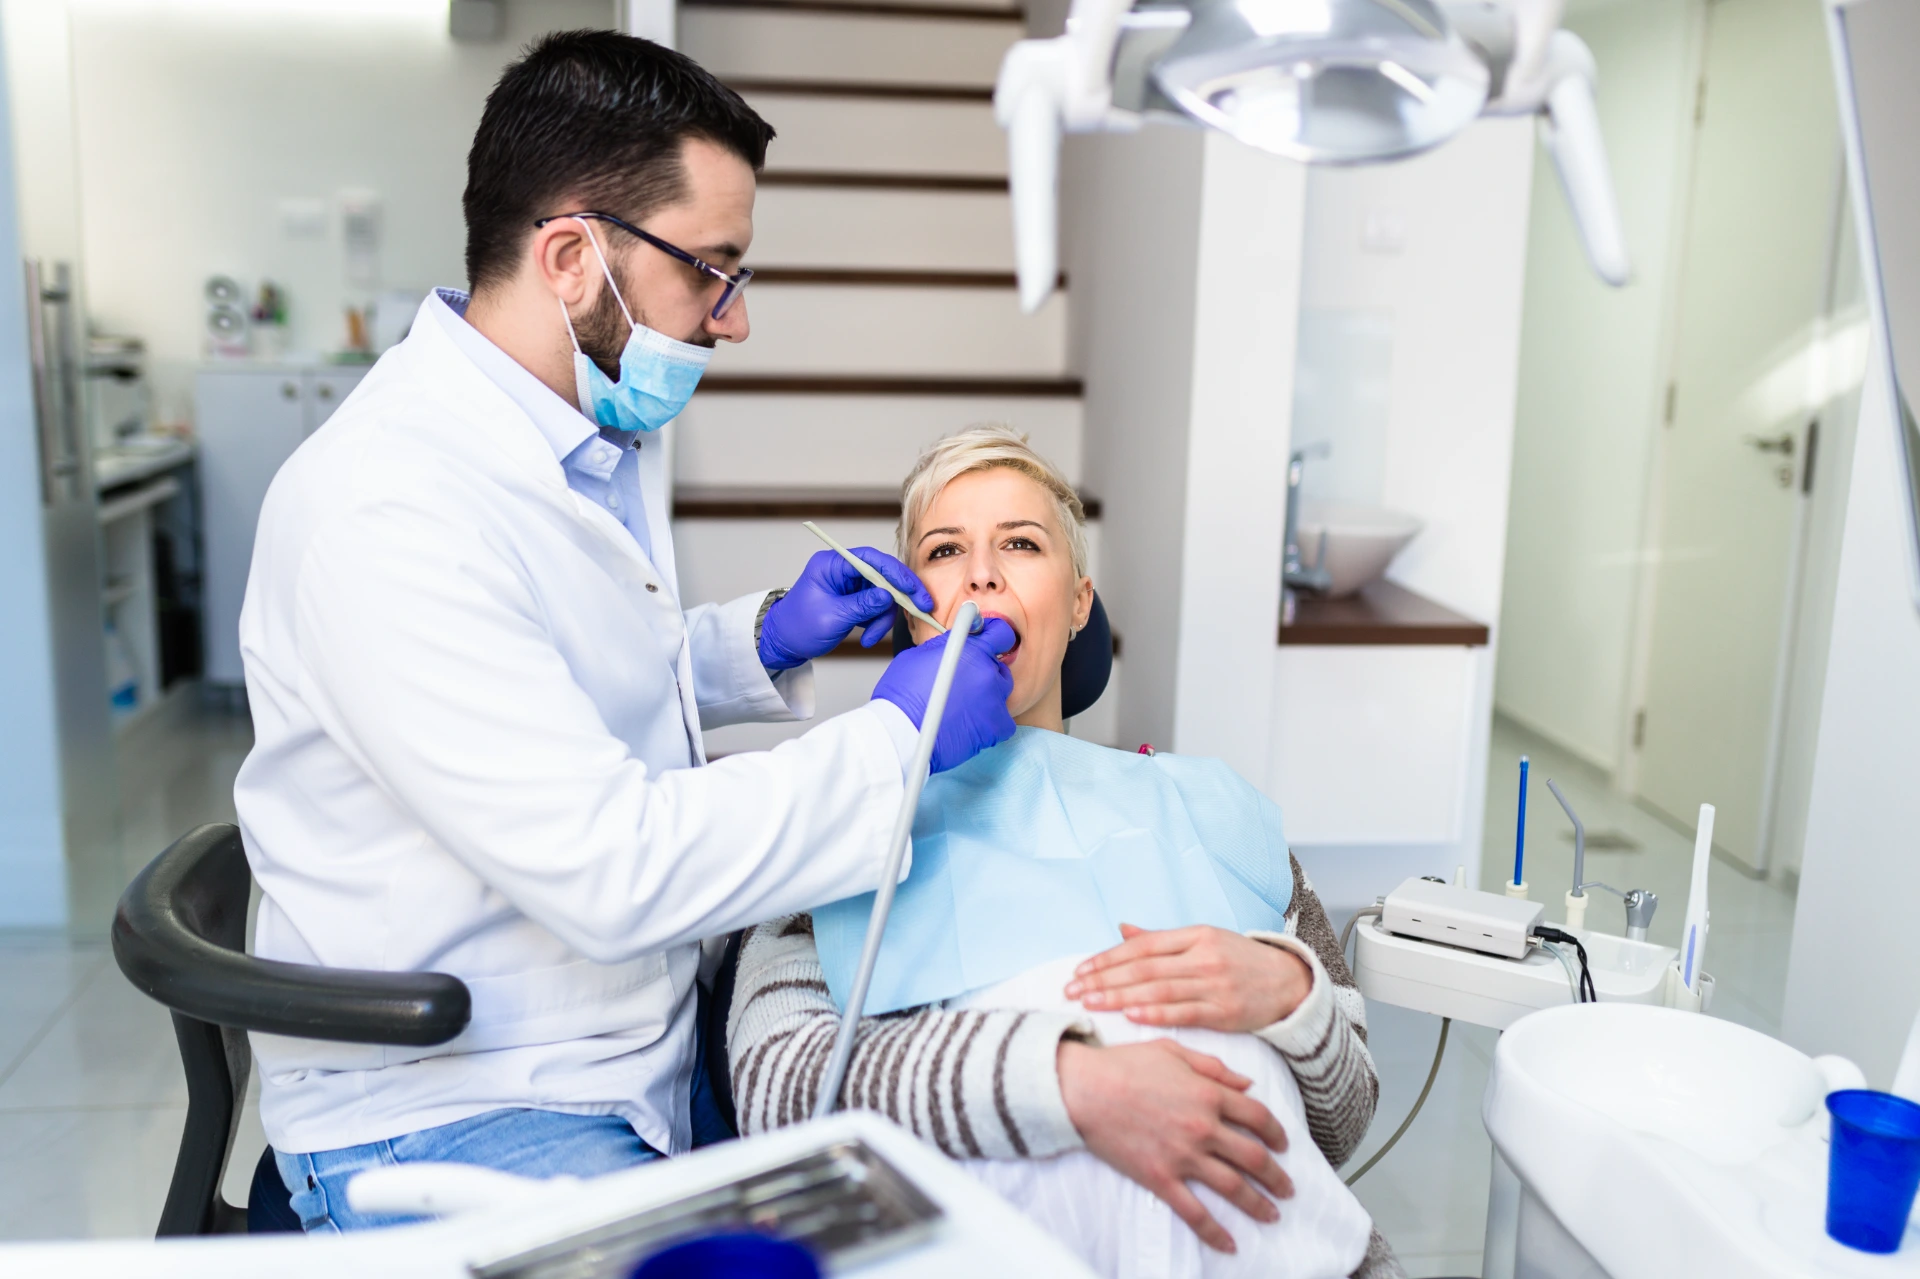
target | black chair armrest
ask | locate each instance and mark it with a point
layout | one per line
(165, 953)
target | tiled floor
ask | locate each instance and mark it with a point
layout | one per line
(91, 1096)
(1429, 1195)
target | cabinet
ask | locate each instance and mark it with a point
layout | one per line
(1379, 747)
(250, 418)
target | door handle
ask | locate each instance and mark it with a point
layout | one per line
(1782, 445)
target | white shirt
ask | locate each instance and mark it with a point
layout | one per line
(601, 464)
(477, 708)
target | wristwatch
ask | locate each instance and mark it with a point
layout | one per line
(760, 618)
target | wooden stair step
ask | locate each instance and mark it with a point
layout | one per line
(857, 43)
(756, 503)
(882, 181)
(855, 89)
(857, 277)
(883, 229)
(871, 8)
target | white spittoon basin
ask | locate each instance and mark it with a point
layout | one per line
(1651, 1143)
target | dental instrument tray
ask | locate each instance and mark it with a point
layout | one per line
(845, 1203)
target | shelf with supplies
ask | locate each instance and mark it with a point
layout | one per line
(128, 502)
(131, 460)
(141, 517)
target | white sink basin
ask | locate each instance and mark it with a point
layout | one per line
(1354, 544)
(1652, 1142)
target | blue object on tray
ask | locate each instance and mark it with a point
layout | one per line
(742, 1255)
(1874, 1168)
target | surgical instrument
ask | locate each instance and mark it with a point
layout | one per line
(873, 575)
(836, 1071)
(1640, 902)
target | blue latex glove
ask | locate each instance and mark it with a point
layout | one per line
(827, 602)
(976, 715)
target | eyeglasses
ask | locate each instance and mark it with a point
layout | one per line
(736, 284)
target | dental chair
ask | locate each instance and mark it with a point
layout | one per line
(180, 935)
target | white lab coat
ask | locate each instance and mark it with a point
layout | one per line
(477, 710)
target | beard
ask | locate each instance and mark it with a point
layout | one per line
(603, 332)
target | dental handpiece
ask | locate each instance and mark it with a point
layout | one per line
(836, 1072)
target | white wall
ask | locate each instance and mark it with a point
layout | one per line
(1450, 297)
(40, 93)
(1853, 975)
(1593, 372)
(199, 119)
(32, 861)
(1452, 293)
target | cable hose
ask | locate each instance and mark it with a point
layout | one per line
(1439, 1050)
(1573, 978)
(1346, 934)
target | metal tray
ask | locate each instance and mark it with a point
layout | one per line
(844, 1202)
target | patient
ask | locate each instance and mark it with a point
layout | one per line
(1108, 1095)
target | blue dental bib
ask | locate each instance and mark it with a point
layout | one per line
(1041, 847)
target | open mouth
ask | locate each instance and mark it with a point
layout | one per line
(1013, 652)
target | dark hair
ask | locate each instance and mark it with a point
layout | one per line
(593, 116)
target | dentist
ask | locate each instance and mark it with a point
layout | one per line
(477, 699)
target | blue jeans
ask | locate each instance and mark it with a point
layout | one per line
(532, 1143)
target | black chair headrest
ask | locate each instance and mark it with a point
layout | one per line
(1084, 671)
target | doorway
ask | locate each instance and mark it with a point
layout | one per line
(1668, 557)
(1741, 421)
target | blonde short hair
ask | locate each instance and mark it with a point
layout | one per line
(981, 448)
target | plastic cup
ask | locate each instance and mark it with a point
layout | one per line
(745, 1254)
(1874, 1168)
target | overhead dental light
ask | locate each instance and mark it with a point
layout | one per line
(1321, 81)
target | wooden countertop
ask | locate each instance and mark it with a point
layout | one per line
(1381, 614)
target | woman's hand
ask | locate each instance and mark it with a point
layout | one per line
(1164, 1115)
(1199, 976)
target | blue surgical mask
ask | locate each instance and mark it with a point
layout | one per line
(657, 373)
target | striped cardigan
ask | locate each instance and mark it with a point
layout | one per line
(982, 1083)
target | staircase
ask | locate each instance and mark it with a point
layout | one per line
(883, 304)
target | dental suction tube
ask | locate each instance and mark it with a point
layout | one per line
(836, 1072)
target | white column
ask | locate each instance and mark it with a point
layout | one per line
(649, 19)
(1246, 317)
